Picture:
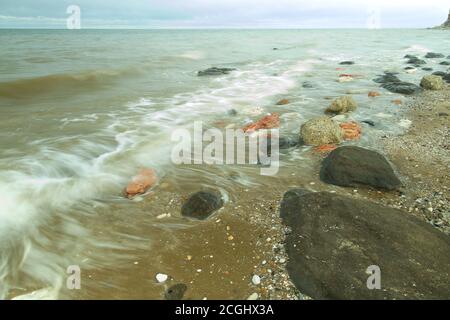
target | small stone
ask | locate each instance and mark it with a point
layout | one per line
(161, 277)
(256, 280)
(253, 296)
(176, 292)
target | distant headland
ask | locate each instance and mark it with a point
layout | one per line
(446, 24)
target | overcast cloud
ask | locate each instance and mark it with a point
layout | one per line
(225, 13)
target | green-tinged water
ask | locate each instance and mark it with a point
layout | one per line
(82, 110)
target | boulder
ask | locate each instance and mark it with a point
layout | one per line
(433, 55)
(346, 63)
(202, 204)
(401, 87)
(387, 78)
(445, 63)
(342, 105)
(320, 131)
(427, 69)
(175, 292)
(215, 71)
(144, 180)
(334, 239)
(416, 61)
(270, 121)
(439, 73)
(432, 83)
(352, 166)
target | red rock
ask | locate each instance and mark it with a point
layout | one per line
(268, 122)
(144, 180)
(374, 94)
(352, 130)
(325, 148)
(282, 102)
(397, 101)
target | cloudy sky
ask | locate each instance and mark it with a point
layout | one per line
(225, 13)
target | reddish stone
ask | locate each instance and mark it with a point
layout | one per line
(282, 102)
(325, 148)
(397, 101)
(268, 122)
(144, 180)
(374, 94)
(352, 130)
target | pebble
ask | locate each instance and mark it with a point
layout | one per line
(161, 277)
(253, 296)
(256, 280)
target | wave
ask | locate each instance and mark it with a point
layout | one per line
(65, 83)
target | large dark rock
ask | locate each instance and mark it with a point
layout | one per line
(334, 239)
(175, 292)
(416, 61)
(433, 55)
(346, 63)
(202, 204)
(401, 87)
(215, 71)
(445, 63)
(290, 202)
(386, 78)
(352, 166)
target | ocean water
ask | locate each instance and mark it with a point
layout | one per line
(82, 110)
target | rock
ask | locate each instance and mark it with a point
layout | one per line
(290, 202)
(347, 63)
(144, 180)
(427, 69)
(232, 112)
(373, 94)
(345, 78)
(268, 122)
(215, 71)
(397, 101)
(286, 142)
(410, 70)
(325, 148)
(283, 102)
(432, 83)
(352, 130)
(352, 166)
(342, 105)
(401, 87)
(320, 131)
(416, 61)
(439, 73)
(409, 56)
(253, 296)
(445, 63)
(256, 280)
(369, 122)
(175, 292)
(161, 277)
(334, 239)
(433, 55)
(307, 85)
(202, 204)
(387, 78)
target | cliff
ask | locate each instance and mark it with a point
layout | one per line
(446, 24)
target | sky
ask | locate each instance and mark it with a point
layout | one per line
(226, 13)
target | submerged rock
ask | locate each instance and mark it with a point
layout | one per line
(202, 204)
(373, 94)
(232, 112)
(307, 85)
(175, 292)
(334, 239)
(432, 82)
(283, 102)
(347, 63)
(369, 122)
(342, 105)
(352, 166)
(416, 61)
(215, 71)
(144, 180)
(433, 55)
(427, 69)
(286, 142)
(320, 131)
(445, 63)
(386, 78)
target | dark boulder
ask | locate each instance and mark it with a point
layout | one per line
(175, 292)
(334, 239)
(427, 69)
(439, 73)
(290, 203)
(386, 78)
(232, 112)
(416, 61)
(433, 55)
(202, 204)
(402, 87)
(445, 63)
(351, 166)
(346, 63)
(215, 71)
